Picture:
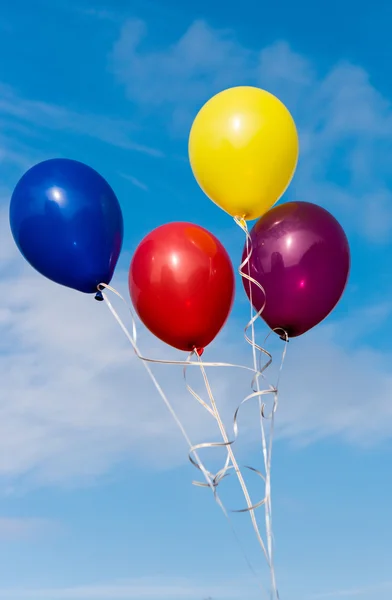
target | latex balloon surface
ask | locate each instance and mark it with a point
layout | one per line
(181, 283)
(67, 223)
(243, 150)
(301, 257)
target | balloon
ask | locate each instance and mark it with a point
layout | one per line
(67, 223)
(181, 282)
(243, 150)
(301, 257)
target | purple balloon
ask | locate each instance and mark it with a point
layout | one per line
(301, 257)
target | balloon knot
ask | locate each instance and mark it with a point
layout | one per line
(99, 296)
(199, 351)
(241, 221)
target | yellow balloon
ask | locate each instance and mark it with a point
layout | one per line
(243, 150)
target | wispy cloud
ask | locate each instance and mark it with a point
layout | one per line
(202, 61)
(136, 182)
(345, 123)
(35, 120)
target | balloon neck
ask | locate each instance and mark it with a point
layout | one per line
(199, 351)
(241, 221)
(282, 333)
(99, 296)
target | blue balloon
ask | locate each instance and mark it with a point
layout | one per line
(67, 223)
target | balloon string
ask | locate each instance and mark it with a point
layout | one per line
(222, 473)
(132, 338)
(211, 480)
(266, 449)
(258, 372)
(231, 456)
(266, 454)
(213, 410)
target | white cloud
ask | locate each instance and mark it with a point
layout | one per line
(74, 398)
(183, 75)
(345, 124)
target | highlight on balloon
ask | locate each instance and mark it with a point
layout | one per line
(294, 263)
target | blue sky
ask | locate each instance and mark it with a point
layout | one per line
(96, 499)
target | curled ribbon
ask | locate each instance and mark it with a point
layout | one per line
(212, 480)
(267, 450)
(132, 338)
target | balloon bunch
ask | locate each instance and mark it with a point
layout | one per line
(243, 150)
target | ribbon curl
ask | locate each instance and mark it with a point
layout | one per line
(213, 480)
(267, 450)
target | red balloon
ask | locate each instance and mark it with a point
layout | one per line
(181, 283)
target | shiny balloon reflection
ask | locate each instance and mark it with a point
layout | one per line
(301, 257)
(57, 195)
